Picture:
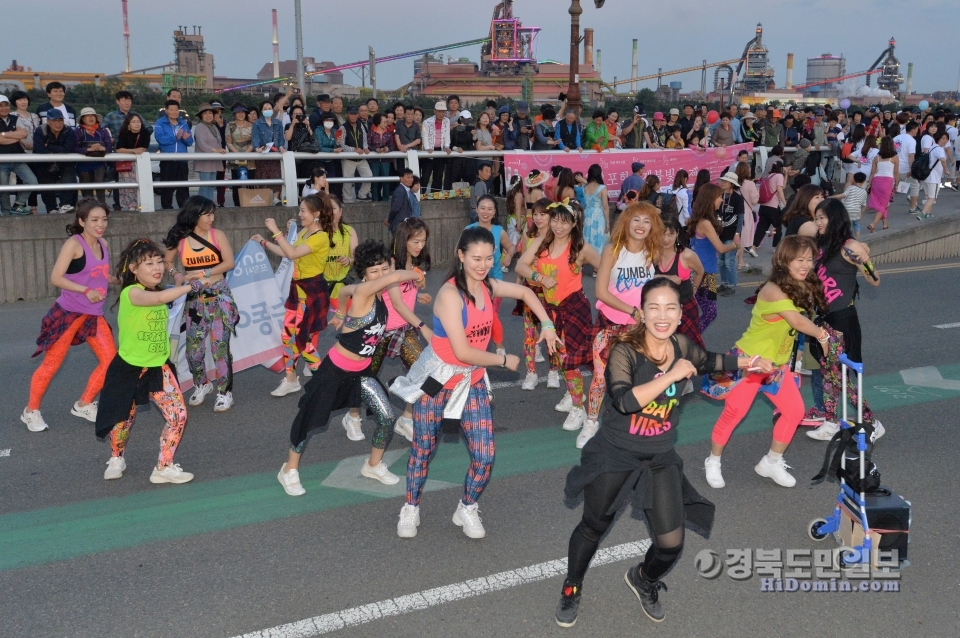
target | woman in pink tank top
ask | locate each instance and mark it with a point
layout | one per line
(463, 322)
(82, 272)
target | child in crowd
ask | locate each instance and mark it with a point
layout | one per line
(855, 201)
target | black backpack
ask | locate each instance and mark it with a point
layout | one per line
(921, 167)
(842, 444)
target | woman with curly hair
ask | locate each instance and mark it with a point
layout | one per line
(785, 304)
(703, 229)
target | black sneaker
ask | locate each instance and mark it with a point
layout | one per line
(647, 593)
(726, 291)
(569, 604)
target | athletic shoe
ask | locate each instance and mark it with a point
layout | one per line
(404, 427)
(290, 481)
(776, 471)
(530, 381)
(565, 403)
(467, 517)
(115, 467)
(19, 210)
(170, 474)
(379, 473)
(501, 352)
(409, 521)
(725, 291)
(307, 372)
(915, 210)
(553, 379)
(34, 421)
(88, 412)
(224, 402)
(825, 432)
(352, 425)
(66, 208)
(575, 419)
(804, 372)
(538, 357)
(813, 418)
(287, 387)
(751, 251)
(714, 477)
(878, 431)
(590, 428)
(647, 593)
(569, 604)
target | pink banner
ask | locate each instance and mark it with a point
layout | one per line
(616, 163)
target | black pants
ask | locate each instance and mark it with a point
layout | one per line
(235, 174)
(173, 172)
(665, 518)
(221, 190)
(335, 169)
(768, 216)
(65, 174)
(112, 176)
(434, 168)
(846, 321)
(460, 169)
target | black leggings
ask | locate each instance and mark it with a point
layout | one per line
(665, 518)
(767, 216)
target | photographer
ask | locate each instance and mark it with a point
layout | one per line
(300, 139)
(633, 131)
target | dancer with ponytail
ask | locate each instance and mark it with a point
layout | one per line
(791, 291)
(82, 273)
(488, 215)
(141, 371)
(532, 355)
(556, 263)
(684, 268)
(343, 242)
(343, 379)
(633, 456)
(703, 229)
(626, 264)
(205, 252)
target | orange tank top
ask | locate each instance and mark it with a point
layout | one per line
(208, 256)
(568, 276)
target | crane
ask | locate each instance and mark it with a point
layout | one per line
(800, 87)
(654, 76)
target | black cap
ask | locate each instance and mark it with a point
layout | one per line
(323, 97)
(353, 111)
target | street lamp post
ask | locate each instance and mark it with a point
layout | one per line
(573, 90)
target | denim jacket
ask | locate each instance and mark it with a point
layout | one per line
(263, 134)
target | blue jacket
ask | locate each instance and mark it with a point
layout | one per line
(510, 137)
(102, 136)
(45, 141)
(563, 130)
(166, 135)
(264, 134)
(328, 143)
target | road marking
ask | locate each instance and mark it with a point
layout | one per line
(944, 326)
(347, 476)
(423, 600)
(928, 377)
(499, 385)
(4, 452)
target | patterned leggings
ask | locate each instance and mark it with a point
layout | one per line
(170, 403)
(530, 337)
(291, 324)
(707, 300)
(598, 385)
(375, 398)
(203, 318)
(410, 350)
(477, 427)
(103, 348)
(573, 379)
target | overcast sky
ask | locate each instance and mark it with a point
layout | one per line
(87, 35)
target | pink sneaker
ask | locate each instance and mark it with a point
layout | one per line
(813, 418)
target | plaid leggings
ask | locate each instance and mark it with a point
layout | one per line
(291, 324)
(477, 427)
(170, 404)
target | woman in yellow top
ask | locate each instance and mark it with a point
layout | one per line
(792, 291)
(309, 298)
(343, 241)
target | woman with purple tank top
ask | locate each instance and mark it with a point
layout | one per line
(82, 272)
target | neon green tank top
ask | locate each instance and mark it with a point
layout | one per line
(143, 335)
(770, 339)
(334, 270)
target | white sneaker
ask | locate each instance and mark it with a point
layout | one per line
(352, 425)
(290, 481)
(404, 427)
(88, 412)
(502, 352)
(224, 402)
(776, 471)
(34, 421)
(878, 431)
(714, 477)
(200, 393)
(538, 357)
(565, 403)
(575, 419)
(115, 467)
(307, 372)
(553, 379)
(409, 521)
(751, 251)
(170, 474)
(825, 432)
(468, 518)
(530, 381)
(287, 387)
(590, 428)
(379, 473)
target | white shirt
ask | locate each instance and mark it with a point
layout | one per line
(936, 170)
(905, 146)
(926, 143)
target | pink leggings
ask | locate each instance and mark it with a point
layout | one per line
(103, 348)
(739, 400)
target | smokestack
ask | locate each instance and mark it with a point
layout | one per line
(910, 79)
(126, 34)
(633, 67)
(276, 47)
(789, 70)
(598, 62)
(588, 46)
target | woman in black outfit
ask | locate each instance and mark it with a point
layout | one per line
(632, 456)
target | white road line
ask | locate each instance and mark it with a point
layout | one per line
(4, 452)
(944, 326)
(356, 616)
(510, 384)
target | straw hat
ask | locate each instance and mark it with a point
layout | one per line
(731, 177)
(91, 111)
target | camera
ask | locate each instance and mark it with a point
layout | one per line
(300, 117)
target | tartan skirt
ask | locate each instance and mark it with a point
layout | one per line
(574, 323)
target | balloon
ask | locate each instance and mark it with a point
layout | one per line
(720, 152)
(712, 117)
(844, 103)
(924, 105)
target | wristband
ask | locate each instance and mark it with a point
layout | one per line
(504, 361)
(547, 325)
(86, 290)
(206, 272)
(173, 272)
(195, 286)
(276, 234)
(263, 243)
(419, 326)
(533, 277)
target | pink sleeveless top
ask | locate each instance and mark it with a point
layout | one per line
(478, 326)
(95, 275)
(408, 294)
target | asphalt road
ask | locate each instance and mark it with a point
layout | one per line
(230, 554)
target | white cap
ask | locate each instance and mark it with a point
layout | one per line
(3, 98)
(440, 106)
(744, 105)
(466, 115)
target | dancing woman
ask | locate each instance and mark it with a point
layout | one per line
(82, 273)
(205, 252)
(791, 291)
(626, 264)
(682, 266)
(488, 215)
(449, 380)
(540, 216)
(633, 455)
(703, 229)
(343, 241)
(343, 379)
(556, 263)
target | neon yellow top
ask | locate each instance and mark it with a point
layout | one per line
(769, 339)
(143, 337)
